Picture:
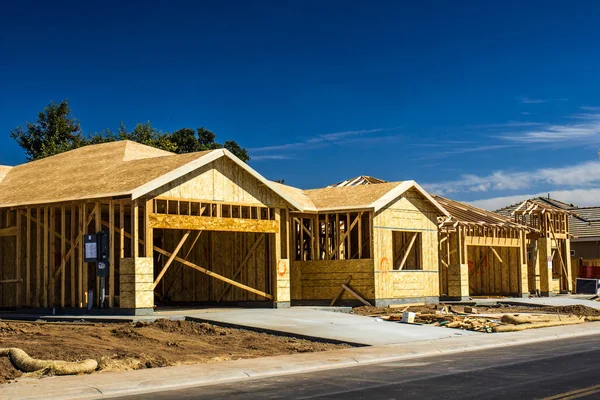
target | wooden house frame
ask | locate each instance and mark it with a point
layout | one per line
(481, 253)
(375, 242)
(549, 246)
(159, 209)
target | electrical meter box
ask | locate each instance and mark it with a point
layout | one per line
(103, 254)
(90, 254)
(97, 251)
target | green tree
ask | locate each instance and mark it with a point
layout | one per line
(55, 131)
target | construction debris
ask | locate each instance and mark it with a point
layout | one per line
(21, 361)
(486, 320)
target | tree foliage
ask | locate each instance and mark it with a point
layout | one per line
(56, 131)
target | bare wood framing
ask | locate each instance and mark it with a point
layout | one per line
(353, 293)
(38, 258)
(45, 285)
(28, 260)
(164, 221)
(408, 249)
(213, 274)
(496, 254)
(10, 231)
(18, 260)
(239, 268)
(121, 228)
(341, 291)
(171, 258)
(111, 257)
(63, 247)
(72, 250)
(148, 235)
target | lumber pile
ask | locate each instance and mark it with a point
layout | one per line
(471, 321)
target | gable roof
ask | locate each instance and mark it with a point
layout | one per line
(120, 168)
(372, 195)
(466, 214)
(359, 180)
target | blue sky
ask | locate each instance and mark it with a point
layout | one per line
(474, 100)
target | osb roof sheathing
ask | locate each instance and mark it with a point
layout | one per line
(108, 169)
(362, 196)
(298, 195)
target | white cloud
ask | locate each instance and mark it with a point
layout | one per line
(585, 131)
(579, 197)
(336, 138)
(529, 100)
(271, 157)
(584, 174)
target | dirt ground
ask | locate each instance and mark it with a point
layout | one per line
(126, 346)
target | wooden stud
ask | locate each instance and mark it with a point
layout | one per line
(135, 248)
(46, 255)
(407, 250)
(80, 276)
(111, 257)
(63, 251)
(28, 260)
(52, 261)
(171, 258)
(72, 262)
(38, 257)
(18, 260)
(98, 228)
(148, 235)
(122, 228)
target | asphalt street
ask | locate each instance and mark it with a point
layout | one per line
(566, 369)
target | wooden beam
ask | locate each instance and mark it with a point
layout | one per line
(111, 256)
(45, 285)
(72, 259)
(80, 290)
(18, 259)
(353, 293)
(180, 266)
(38, 259)
(135, 234)
(63, 250)
(171, 259)
(213, 274)
(11, 231)
(341, 291)
(148, 234)
(407, 251)
(496, 254)
(194, 223)
(121, 228)
(406, 246)
(239, 268)
(28, 259)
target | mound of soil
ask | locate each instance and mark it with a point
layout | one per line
(126, 346)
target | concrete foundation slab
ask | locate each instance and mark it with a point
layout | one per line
(330, 326)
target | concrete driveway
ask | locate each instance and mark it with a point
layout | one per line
(332, 326)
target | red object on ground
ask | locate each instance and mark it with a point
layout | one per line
(589, 271)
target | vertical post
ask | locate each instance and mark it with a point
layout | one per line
(326, 241)
(98, 221)
(348, 234)
(63, 249)
(281, 284)
(52, 261)
(360, 244)
(111, 257)
(135, 233)
(38, 257)
(523, 267)
(18, 260)
(83, 284)
(45, 285)
(28, 260)
(73, 261)
(122, 228)
(338, 243)
(148, 235)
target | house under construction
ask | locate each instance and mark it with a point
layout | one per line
(206, 228)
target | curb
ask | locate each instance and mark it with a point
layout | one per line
(113, 384)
